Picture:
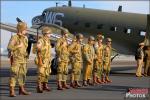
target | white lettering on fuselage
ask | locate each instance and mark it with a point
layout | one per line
(52, 18)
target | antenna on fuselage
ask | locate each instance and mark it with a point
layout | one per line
(83, 5)
(69, 3)
(120, 8)
(56, 4)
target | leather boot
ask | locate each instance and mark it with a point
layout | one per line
(65, 85)
(99, 81)
(45, 87)
(12, 91)
(95, 80)
(39, 88)
(85, 83)
(108, 80)
(72, 84)
(59, 85)
(103, 79)
(77, 84)
(89, 82)
(22, 91)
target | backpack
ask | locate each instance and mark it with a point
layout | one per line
(54, 65)
(137, 54)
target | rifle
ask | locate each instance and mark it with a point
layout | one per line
(10, 56)
(114, 57)
(18, 19)
(40, 62)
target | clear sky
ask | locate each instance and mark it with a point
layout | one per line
(26, 10)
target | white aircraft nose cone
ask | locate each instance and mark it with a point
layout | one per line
(2, 50)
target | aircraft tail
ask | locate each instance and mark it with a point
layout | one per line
(147, 36)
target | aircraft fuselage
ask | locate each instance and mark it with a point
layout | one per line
(124, 28)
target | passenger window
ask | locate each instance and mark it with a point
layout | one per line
(113, 28)
(76, 23)
(99, 26)
(87, 25)
(128, 31)
(44, 14)
(142, 33)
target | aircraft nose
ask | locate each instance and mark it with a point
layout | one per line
(37, 20)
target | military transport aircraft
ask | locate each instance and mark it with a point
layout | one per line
(125, 29)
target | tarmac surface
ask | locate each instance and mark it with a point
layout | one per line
(122, 75)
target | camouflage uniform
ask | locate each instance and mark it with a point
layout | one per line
(147, 62)
(76, 54)
(98, 70)
(107, 61)
(44, 69)
(140, 61)
(71, 58)
(63, 59)
(98, 62)
(89, 55)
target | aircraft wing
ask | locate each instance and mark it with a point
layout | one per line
(12, 28)
(33, 31)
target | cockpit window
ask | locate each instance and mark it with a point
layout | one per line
(44, 13)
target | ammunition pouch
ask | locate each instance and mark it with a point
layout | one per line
(65, 72)
(11, 60)
(76, 72)
(36, 61)
(34, 49)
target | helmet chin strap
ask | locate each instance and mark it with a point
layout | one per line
(21, 35)
(47, 36)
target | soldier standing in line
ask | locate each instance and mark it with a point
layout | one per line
(76, 52)
(43, 60)
(88, 59)
(62, 52)
(107, 61)
(139, 58)
(147, 62)
(72, 60)
(18, 47)
(98, 66)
